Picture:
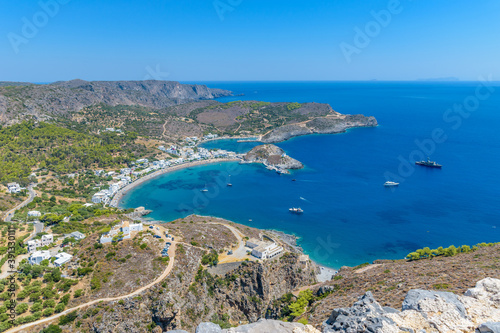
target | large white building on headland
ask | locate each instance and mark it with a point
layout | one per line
(264, 250)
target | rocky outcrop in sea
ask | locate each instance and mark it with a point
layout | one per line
(272, 155)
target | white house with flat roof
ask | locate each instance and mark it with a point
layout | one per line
(76, 235)
(264, 250)
(267, 251)
(125, 228)
(99, 197)
(108, 237)
(62, 258)
(14, 187)
(33, 245)
(38, 256)
(34, 213)
(47, 239)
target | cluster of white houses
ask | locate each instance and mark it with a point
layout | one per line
(46, 240)
(60, 258)
(125, 229)
(263, 249)
(143, 167)
(36, 243)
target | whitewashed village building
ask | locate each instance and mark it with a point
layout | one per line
(38, 256)
(36, 243)
(47, 239)
(33, 245)
(34, 213)
(126, 228)
(264, 250)
(77, 235)
(13, 187)
(62, 258)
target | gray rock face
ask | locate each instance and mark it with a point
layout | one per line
(208, 328)
(261, 326)
(324, 289)
(486, 289)
(366, 315)
(489, 327)
(177, 331)
(414, 297)
(424, 311)
(265, 326)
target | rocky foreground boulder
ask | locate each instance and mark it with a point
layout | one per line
(424, 311)
(261, 326)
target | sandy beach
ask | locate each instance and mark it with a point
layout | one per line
(325, 274)
(255, 138)
(119, 195)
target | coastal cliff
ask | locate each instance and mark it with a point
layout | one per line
(272, 155)
(335, 123)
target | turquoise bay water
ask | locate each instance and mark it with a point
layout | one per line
(350, 218)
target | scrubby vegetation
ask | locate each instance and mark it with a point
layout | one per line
(427, 253)
(29, 145)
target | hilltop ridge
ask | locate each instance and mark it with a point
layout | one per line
(43, 101)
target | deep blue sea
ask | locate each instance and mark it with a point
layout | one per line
(350, 217)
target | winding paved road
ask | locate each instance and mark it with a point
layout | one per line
(32, 195)
(109, 299)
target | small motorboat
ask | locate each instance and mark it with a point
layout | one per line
(390, 184)
(296, 210)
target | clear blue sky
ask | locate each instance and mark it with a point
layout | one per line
(248, 40)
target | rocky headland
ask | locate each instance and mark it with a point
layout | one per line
(271, 155)
(331, 124)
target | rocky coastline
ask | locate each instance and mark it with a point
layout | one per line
(332, 124)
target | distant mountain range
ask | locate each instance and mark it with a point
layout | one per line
(20, 100)
(441, 79)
